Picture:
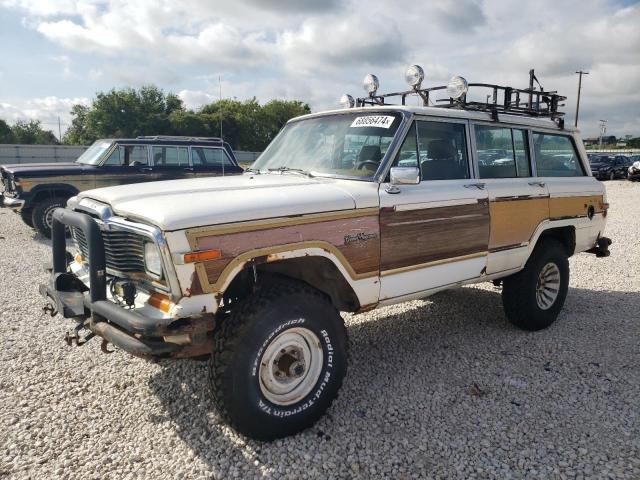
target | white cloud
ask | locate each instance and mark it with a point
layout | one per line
(315, 51)
(47, 109)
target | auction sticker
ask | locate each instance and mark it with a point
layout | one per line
(380, 121)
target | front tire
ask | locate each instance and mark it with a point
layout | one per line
(279, 360)
(43, 214)
(533, 297)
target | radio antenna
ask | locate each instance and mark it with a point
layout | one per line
(221, 138)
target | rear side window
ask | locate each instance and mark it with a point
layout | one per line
(442, 150)
(502, 152)
(210, 157)
(556, 156)
(170, 156)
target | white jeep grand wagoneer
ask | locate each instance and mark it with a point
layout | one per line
(346, 210)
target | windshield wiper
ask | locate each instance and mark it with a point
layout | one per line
(289, 169)
(254, 170)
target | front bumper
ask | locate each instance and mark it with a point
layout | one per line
(127, 329)
(10, 202)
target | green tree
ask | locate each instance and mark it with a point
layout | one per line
(30, 132)
(124, 113)
(6, 135)
(634, 143)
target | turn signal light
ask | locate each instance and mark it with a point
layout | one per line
(160, 301)
(202, 256)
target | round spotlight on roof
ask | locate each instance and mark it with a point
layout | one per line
(370, 84)
(414, 76)
(347, 101)
(457, 87)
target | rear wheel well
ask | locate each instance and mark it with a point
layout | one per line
(319, 272)
(565, 235)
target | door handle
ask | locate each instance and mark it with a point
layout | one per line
(538, 184)
(479, 186)
(188, 169)
(145, 169)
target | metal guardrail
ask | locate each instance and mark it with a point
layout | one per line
(16, 153)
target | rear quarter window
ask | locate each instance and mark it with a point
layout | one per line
(556, 156)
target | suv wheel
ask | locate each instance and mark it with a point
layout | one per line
(279, 360)
(533, 297)
(43, 214)
(26, 214)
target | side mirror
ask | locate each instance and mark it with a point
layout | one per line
(404, 175)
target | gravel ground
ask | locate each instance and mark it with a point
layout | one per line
(440, 388)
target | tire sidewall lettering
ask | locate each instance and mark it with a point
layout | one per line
(321, 386)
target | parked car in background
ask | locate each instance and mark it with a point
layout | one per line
(609, 167)
(633, 173)
(36, 190)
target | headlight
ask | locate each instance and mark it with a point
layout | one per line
(457, 87)
(152, 260)
(347, 101)
(371, 84)
(414, 76)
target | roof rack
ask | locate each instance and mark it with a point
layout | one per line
(178, 137)
(527, 102)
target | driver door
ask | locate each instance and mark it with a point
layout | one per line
(435, 233)
(126, 164)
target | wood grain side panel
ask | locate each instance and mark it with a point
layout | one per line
(569, 207)
(425, 235)
(362, 253)
(514, 221)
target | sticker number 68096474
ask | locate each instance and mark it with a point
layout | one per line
(380, 121)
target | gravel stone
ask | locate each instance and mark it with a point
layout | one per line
(438, 388)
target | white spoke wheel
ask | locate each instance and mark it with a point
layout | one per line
(290, 366)
(548, 286)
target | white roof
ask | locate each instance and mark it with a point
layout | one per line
(450, 113)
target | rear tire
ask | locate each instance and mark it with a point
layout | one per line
(533, 297)
(43, 214)
(279, 360)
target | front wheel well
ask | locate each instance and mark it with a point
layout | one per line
(52, 193)
(318, 272)
(565, 235)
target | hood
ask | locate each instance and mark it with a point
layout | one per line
(180, 204)
(25, 170)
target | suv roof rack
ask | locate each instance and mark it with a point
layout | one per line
(178, 137)
(527, 102)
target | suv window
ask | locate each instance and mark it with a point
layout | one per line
(128, 156)
(502, 152)
(556, 156)
(442, 150)
(170, 156)
(211, 157)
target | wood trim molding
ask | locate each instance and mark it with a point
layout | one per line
(194, 234)
(266, 252)
(444, 261)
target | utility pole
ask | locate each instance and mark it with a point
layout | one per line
(59, 130)
(580, 73)
(603, 130)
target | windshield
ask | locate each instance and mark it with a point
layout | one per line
(93, 154)
(350, 144)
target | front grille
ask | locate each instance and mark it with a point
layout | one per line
(124, 251)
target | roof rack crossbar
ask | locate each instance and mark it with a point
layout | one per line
(178, 137)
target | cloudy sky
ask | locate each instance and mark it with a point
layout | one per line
(59, 52)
